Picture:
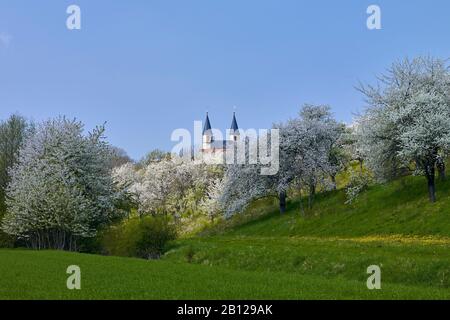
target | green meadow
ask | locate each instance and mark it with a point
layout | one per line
(321, 253)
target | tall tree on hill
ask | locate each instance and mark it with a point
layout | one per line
(13, 133)
(311, 147)
(408, 119)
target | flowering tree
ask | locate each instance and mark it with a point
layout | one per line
(408, 121)
(169, 186)
(352, 144)
(126, 179)
(211, 203)
(310, 150)
(243, 184)
(61, 188)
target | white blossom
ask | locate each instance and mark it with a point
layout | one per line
(61, 189)
(408, 121)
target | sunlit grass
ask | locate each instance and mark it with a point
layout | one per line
(42, 275)
(391, 225)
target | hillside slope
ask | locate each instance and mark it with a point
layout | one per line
(400, 207)
(393, 226)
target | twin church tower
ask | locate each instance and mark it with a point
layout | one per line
(211, 145)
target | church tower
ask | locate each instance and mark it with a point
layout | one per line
(234, 129)
(207, 134)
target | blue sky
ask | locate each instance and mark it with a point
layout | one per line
(149, 67)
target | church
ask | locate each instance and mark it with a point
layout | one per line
(212, 148)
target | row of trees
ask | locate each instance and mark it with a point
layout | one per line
(58, 185)
(169, 186)
(311, 155)
(405, 128)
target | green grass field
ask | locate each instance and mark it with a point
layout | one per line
(319, 254)
(41, 275)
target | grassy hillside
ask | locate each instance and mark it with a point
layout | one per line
(397, 208)
(319, 254)
(393, 226)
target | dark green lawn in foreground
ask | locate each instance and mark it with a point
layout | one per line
(41, 275)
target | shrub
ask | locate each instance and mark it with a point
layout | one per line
(6, 241)
(144, 237)
(358, 182)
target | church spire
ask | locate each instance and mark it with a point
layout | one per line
(234, 130)
(207, 126)
(234, 125)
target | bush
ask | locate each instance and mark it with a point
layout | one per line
(6, 241)
(91, 245)
(358, 182)
(144, 237)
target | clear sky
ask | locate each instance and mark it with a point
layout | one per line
(148, 67)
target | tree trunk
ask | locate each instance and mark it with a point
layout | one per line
(312, 192)
(441, 169)
(431, 183)
(282, 196)
(302, 211)
(333, 181)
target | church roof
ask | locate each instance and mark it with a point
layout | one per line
(234, 125)
(207, 127)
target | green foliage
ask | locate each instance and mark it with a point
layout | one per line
(13, 132)
(6, 241)
(144, 237)
(153, 156)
